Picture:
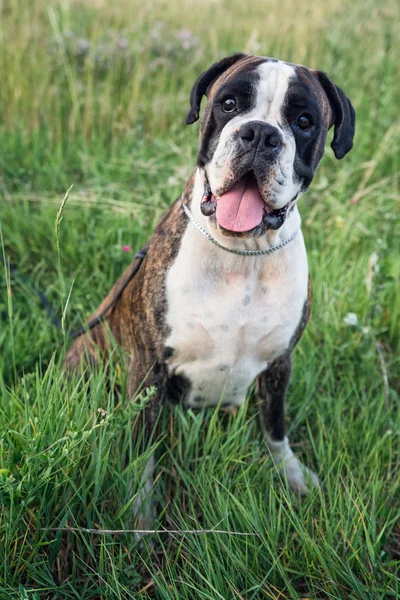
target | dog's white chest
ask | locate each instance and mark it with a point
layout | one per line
(230, 316)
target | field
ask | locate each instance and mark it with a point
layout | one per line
(93, 94)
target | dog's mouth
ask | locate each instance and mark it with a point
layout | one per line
(241, 208)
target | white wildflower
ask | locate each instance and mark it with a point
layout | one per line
(351, 319)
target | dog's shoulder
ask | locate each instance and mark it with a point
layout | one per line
(147, 297)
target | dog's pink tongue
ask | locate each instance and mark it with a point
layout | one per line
(240, 209)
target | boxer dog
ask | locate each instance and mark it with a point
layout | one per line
(223, 294)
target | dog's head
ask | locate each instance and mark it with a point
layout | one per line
(262, 136)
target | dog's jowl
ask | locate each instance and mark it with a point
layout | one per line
(222, 297)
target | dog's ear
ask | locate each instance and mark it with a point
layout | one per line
(343, 116)
(202, 83)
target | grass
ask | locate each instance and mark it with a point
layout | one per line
(93, 94)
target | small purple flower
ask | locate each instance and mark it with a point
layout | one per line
(186, 38)
(122, 43)
(126, 249)
(82, 47)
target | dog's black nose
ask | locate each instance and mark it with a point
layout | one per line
(263, 136)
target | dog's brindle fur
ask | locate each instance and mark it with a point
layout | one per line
(139, 319)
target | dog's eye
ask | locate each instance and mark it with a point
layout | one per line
(304, 122)
(228, 104)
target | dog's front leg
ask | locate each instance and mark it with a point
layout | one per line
(272, 386)
(140, 378)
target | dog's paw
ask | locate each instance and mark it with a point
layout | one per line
(299, 477)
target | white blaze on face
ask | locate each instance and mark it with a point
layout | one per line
(274, 79)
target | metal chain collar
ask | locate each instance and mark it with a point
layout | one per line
(269, 250)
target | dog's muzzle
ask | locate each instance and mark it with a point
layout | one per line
(241, 206)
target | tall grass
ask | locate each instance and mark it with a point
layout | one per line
(94, 94)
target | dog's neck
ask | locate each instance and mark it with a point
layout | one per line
(271, 237)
